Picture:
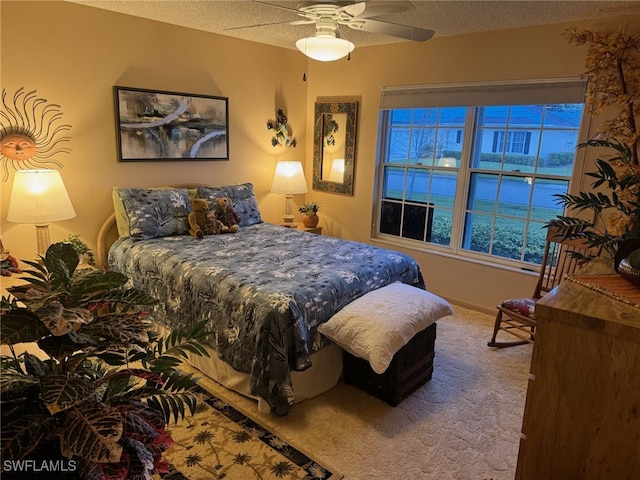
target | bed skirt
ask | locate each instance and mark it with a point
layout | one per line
(323, 375)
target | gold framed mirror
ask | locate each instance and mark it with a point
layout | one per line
(334, 146)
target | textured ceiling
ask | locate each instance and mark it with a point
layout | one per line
(264, 22)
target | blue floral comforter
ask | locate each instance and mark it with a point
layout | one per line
(264, 290)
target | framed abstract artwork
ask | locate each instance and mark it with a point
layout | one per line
(153, 125)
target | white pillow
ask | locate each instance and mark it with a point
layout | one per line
(378, 324)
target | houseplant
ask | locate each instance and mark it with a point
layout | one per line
(85, 253)
(309, 213)
(613, 74)
(97, 397)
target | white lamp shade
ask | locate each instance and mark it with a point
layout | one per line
(39, 197)
(289, 179)
(325, 48)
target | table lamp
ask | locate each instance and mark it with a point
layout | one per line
(39, 197)
(289, 180)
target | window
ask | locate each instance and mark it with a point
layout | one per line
(476, 180)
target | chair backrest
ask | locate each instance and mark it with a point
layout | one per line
(557, 261)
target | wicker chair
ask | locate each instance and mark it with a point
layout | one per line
(517, 315)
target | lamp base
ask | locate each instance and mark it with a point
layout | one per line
(288, 221)
(288, 224)
(43, 240)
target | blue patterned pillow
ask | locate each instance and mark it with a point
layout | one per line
(156, 213)
(242, 198)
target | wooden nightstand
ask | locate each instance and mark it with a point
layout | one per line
(316, 230)
(12, 281)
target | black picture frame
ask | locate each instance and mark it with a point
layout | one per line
(157, 125)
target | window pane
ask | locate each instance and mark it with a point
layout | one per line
(477, 232)
(483, 192)
(563, 115)
(398, 149)
(425, 117)
(415, 222)
(393, 186)
(423, 145)
(417, 186)
(536, 239)
(401, 116)
(441, 230)
(557, 152)
(390, 216)
(443, 188)
(544, 205)
(515, 193)
(508, 237)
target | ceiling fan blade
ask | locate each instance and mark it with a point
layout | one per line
(374, 8)
(392, 29)
(254, 26)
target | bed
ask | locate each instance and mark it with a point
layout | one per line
(263, 290)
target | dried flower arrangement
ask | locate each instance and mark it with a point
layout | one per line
(613, 74)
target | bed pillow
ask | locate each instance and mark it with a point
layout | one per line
(242, 198)
(378, 324)
(153, 213)
(122, 222)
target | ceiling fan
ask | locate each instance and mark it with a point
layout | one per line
(328, 16)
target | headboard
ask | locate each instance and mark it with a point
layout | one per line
(108, 233)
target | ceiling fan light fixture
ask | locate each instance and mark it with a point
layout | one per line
(325, 48)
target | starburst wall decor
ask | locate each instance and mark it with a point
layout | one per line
(31, 133)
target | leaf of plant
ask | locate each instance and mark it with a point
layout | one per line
(57, 347)
(92, 430)
(14, 383)
(21, 326)
(118, 328)
(22, 435)
(61, 392)
(35, 366)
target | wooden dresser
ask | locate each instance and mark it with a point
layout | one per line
(582, 413)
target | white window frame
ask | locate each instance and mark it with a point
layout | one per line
(496, 93)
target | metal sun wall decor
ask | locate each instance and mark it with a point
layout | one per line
(153, 125)
(30, 132)
(281, 129)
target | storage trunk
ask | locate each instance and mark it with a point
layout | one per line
(410, 368)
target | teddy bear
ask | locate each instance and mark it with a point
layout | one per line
(201, 221)
(224, 212)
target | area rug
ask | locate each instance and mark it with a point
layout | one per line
(220, 442)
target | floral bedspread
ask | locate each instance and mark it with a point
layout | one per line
(264, 290)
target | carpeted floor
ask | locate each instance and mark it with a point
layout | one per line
(464, 424)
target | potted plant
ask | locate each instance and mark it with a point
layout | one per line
(309, 213)
(614, 228)
(85, 253)
(95, 399)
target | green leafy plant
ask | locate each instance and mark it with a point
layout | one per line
(309, 208)
(103, 386)
(617, 209)
(81, 247)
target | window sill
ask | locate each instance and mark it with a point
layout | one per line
(442, 253)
